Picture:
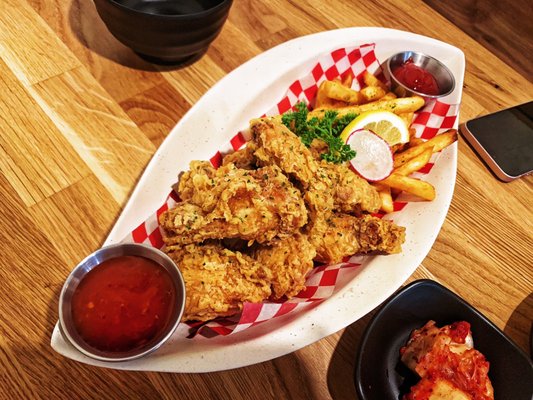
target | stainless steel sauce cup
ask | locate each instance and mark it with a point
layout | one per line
(66, 323)
(441, 73)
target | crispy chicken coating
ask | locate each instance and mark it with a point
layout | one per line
(343, 235)
(198, 179)
(288, 261)
(243, 158)
(277, 145)
(282, 207)
(256, 205)
(218, 281)
(351, 193)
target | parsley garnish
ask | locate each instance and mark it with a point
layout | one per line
(327, 129)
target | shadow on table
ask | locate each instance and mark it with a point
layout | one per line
(92, 33)
(520, 319)
(341, 369)
(66, 378)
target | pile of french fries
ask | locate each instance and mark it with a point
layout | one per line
(416, 156)
(337, 94)
(408, 158)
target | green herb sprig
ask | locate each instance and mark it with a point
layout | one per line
(327, 129)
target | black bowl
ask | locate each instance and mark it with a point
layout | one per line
(379, 373)
(165, 31)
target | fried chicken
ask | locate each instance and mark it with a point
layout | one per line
(277, 145)
(218, 281)
(280, 208)
(351, 193)
(243, 158)
(343, 235)
(256, 205)
(288, 261)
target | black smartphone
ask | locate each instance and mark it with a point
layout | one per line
(504, 140)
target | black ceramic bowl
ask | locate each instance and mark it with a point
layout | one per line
(379, 373)
(165, 31)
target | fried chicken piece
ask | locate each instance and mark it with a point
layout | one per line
(351, 193)
(277, 145)
(343, 235)
(198, 179)
(218, 281)
(243, 158)
(319, 197)
(288, 261)
(317, 148)
(254, 205)
(336, 200)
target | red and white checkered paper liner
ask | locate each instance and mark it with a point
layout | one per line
(323, 281)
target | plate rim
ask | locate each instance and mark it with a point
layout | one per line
(361, 35)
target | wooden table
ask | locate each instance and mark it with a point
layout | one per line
(80, 117)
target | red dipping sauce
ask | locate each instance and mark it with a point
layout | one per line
(123, 303)
(416, 78)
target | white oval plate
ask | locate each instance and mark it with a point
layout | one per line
(248, 92)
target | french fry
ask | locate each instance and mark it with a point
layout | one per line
(387, 205)
(379, 186)
(443, 140)
(415, 163)
(371, 80)
(414, 186)
(348, 80)
(398, 106)
(331, 104)
(415, 141)
(335, 90)
(407, 118)
(389, 96)
(436, 143)
(322, 100)
(328, 103)
(411, 152)
(372, 93)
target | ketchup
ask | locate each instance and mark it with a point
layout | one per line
(123, 303)
(416, 78)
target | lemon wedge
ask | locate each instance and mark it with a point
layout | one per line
(385, 124)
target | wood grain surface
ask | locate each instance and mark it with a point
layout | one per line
(80, 117)
(501, 26)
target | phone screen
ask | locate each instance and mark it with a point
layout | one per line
(507, 136)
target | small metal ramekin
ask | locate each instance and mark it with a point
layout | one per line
(66, 323)
(443, 76)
